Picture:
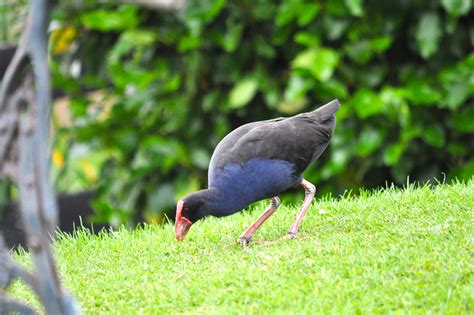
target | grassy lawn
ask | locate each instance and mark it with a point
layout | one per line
(386, 251)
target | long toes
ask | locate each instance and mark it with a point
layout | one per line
(245, 241)
(290, 236)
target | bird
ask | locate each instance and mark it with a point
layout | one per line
(257, 161)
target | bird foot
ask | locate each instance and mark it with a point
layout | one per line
(290, 236)
(245, 241)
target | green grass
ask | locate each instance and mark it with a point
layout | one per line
(408, 251)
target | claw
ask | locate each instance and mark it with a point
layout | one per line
(289, 236)
(244, 241)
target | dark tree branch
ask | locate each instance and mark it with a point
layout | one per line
(12, 306)
(25, 100)
(37, 46)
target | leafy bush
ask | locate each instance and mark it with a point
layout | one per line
(175, 84)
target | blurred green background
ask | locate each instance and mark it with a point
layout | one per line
(147, 94)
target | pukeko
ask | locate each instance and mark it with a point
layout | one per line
(256, 161)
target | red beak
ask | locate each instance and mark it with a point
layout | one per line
(182, 224)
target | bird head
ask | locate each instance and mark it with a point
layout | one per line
(188, 211)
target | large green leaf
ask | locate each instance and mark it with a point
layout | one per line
(359, 51)
(393, 153)
(428, 34)
(243, 92)
(264, 49)
(463, 120)
(189, 42)
(367, 103)
(456, 94)
(200, 158)
(320, 62)
(129, 41)
(334, 28)
(114, 20)
(298, 10)
(355, 7)
(309, 39)
(370, 139)
(297, 87)
(362, 51)
(421, 93)
(230, 39)
(331, 89)
(292, 106)
(308, 12)
(204, 12)
(458, 83)
(434, 135)
(457, 7)
(294, 98)
(396, 105)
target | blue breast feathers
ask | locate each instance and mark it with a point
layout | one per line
(256, 179)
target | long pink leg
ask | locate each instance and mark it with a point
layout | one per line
(247, 235)
(309, 191)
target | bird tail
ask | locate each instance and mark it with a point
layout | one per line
(327, 111)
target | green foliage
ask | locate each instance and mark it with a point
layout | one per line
(175, 84)
(394, 251)
(13, 16)
(105, 20)
(243, 92)
(428, 34)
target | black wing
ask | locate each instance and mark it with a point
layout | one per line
(299, 140)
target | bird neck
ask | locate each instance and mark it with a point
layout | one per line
(219, 202)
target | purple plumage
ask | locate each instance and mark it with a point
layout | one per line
(260, 160)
